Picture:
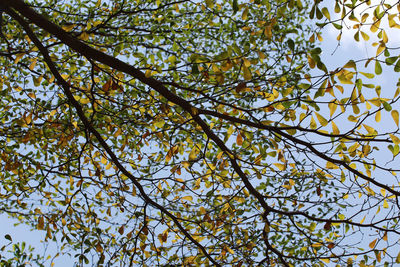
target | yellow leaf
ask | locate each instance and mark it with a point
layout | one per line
(330, 165)
(203, 210)
(160, 123)
(280, 166)
(385, 237)
(311, 61)
(104, 160)
(345, 79)
(325, 260)
(230, 250)
(321, 119)
(245, 192)
(395, 116)
(375, 101)
(364, 36)
(395, 139)
(148, 73)
(84, 100)
(316, 245)
(398, 258)
(18, 57)
(246, 73)
(372, 244)
(380, 49)
(68, 28)
(246, 62)
(383, 191)
(33, 64)
(193, 154)
(313, 124)
(190, 198)
(378, 116)
(335, 129)
(84, 36)
(363, 219)
(375, 26)
(369, 129)
(28, 119)
(385, 38)
(332, 107)
(385, 204)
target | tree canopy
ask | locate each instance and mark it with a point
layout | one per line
(200, 132)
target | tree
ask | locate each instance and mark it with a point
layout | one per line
(199, 132)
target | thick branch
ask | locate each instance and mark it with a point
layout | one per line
(66, 87)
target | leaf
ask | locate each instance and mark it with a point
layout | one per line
(330, 165)
(189, 198)
(368, 75)
(372, 244)
(121, 230)
(364, 36)
(350, 64)
(280, 166)
(397, 66)
(313, 124)
(385, 204)
(33, 64)
(160, 123)
(332, 107)
(369, 129)
(378, 116)
(326, 13)
(235, 6)
(68, 28)
(395, 139)
(335, 129)
(395, 116)
(246, 73)
(40, 225)
(193, 154)
(391, 60)
(99, 248)
(321, 119)
(239, 139)
(106, 86)
(8, 237)
(378, 67)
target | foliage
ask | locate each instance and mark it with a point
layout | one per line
(19, 255)
(199, 132)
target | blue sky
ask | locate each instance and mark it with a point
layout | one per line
(333, 57)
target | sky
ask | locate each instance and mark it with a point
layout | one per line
(334, 55)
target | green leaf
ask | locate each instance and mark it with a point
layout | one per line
(378, 67)
(290, 43)
(387, 106)
(397, 66)
(326, 13)
(337, 26)
(8, 237)
(391, 60)
(235, 6)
